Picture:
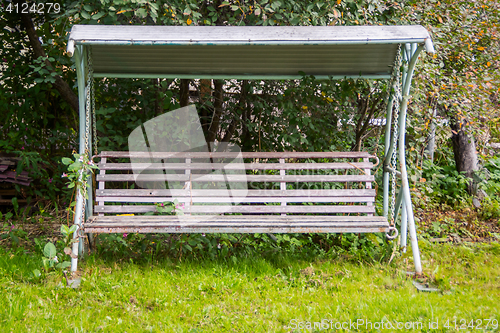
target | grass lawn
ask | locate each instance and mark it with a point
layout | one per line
(270, 293)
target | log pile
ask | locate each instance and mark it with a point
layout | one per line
(8, 173)
(9, 178)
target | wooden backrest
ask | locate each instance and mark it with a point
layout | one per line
(216, 183)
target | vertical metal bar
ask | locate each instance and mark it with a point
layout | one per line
(397, 205)
(402, 161)
(406, 59)
(404, 227)
(80, 68)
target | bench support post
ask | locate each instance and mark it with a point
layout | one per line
(407, 204)
(81, 70)
(404, 228)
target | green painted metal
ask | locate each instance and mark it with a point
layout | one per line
(80, 70)
(237, 77)
(402, 161)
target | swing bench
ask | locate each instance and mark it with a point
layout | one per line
(266, 208)
(284, 192)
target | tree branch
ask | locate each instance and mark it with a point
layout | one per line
(218, 102)
(60, 85)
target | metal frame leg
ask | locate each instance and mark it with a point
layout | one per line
(402, 160)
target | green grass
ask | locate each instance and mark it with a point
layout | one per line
(259, 294)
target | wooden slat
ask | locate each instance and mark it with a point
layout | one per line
(238, 224)
(237, 193)
(207, 216)
(9, 201)
(126, 154)
(8, 192)
(236, 218)
(236, 166)
(237, 178)
(255, 209)
(227, 199)
(330, 228)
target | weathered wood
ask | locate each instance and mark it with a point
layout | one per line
(257, 209)
(231, 199)
(235, 178)
(229, 229)
(162, 155)
(238, 218)
(270, 210)
(238, 224)
(236, 166)
(238, 193)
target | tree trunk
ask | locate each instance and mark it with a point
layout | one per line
(205, 95)
(242, 106)
(61, 86)
(366, 113)
(218, 101)
(431, 145)
(464, 149)
(184, 93)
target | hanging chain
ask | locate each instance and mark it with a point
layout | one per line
(393, 232)
(92, 92)
(88, 109)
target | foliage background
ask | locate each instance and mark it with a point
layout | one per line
(457, 88)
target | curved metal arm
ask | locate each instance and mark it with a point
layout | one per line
(402, 160)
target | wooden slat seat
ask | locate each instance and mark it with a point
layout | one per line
(236, 224)
(237, 192)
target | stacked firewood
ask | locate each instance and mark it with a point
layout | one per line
(8, 173)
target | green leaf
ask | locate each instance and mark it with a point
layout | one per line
(45, 263)
(72, 229)
(64, 229)
(63, 265)
(36, 273)
(141, 12)
(75, 166)
(98, 15)
(88, 8)
(85, 15)
(49, 250)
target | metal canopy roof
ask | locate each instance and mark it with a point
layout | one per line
(245, 51)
